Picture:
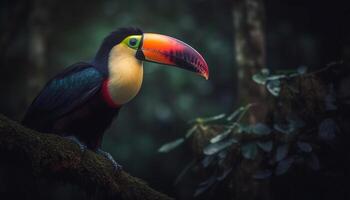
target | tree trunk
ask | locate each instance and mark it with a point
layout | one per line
(14, 60)
(39, 25)
(249, 37)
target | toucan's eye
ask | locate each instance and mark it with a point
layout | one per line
(132, 42)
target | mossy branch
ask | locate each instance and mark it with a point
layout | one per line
(53, 157)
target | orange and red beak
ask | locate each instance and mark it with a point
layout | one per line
(170, 51)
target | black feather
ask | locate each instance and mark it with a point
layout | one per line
(65, 92)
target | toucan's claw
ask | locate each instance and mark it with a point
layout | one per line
(108, 156)
(75, 140)
(116, 166)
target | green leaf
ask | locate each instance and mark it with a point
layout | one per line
(214, 148)
(283, 166)
(243, 128)
(274, 87)
(210, 119)
(171, 145)
(261, 129)
(305, 147)
(249, 151)
(281, 152)
(240, 113)
(265, 146)
(221, 136)
(263, 174)
(260, 78)
(235, 113)
(191, 131)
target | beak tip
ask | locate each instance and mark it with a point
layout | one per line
(205, 75)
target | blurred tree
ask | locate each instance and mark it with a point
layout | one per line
(39, 26)
(14, 55)
(249, 27)
(248, 21)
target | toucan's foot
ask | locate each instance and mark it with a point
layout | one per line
(77, 141)
(116, 166)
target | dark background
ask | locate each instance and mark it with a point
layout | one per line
(40, 38)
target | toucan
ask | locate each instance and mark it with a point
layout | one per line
(80, 102)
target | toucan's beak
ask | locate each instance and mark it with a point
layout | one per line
(170, 51)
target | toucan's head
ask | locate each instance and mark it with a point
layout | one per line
(123, 51)
(154, 47)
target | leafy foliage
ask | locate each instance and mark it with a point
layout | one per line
(279, 146)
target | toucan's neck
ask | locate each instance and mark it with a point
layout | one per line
(125, 74)
(101, 61)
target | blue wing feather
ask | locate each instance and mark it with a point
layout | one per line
(65, 92)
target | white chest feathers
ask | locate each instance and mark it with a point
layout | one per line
(125, 74)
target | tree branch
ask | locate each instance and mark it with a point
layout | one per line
(53, 157)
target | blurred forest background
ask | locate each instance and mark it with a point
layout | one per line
(38, 38)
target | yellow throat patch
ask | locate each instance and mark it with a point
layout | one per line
(125, 74)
